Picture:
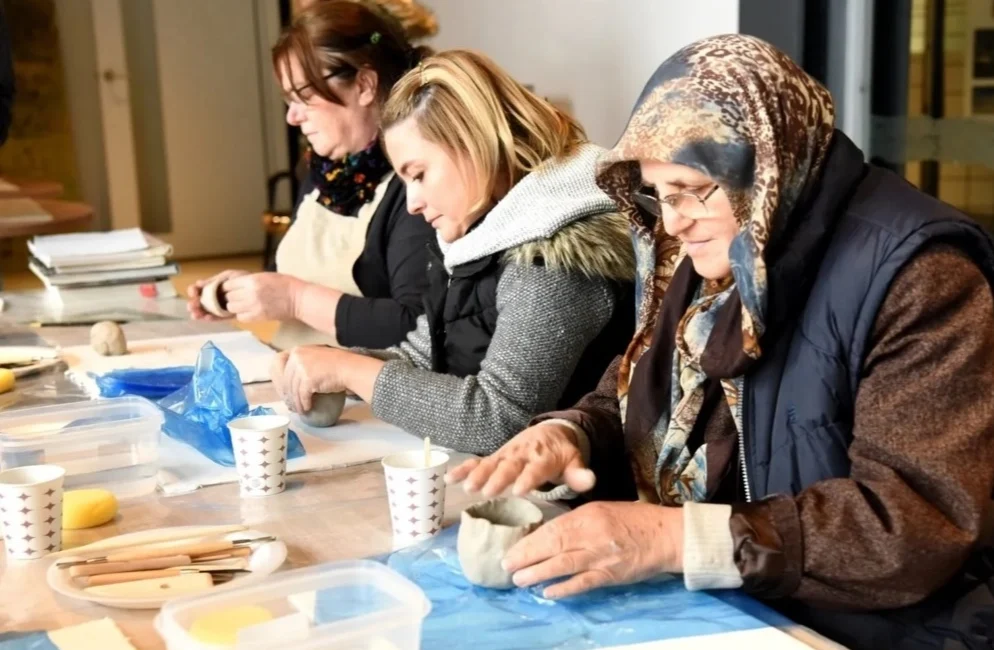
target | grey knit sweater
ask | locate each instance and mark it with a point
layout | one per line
(547, 314)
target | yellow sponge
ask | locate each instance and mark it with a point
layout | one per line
(7, 380)
(221, 627)
(87, 508)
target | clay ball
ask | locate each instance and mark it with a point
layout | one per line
(107, 338)
(487, 532)
(213, 301)
(326, 408)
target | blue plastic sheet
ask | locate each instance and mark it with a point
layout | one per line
(521, 618)
(198, 414)
(26, 641)
(151, 384)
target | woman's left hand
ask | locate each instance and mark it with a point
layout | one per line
(308, 370)
(598, 544)
(262, 296)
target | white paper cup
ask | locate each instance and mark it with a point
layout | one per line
(260, 446)
(416, 494)
(31, 510)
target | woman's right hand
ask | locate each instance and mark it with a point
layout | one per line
(545, 453)
(193, 294)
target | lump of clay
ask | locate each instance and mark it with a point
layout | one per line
(487, 531)
(213, 300)
(107, 338)
(326, 408)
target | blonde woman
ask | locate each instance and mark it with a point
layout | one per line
(530, 294)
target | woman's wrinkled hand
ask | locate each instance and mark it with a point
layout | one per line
(545, 453)
(262, 296)
(599, 544)
(193, 294)
(303, 372)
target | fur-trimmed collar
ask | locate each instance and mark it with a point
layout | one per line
(598, 246)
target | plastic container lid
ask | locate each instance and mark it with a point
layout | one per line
(86, 421)
(356, 604)
(109, 443)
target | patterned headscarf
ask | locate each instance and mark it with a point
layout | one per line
(738, 110)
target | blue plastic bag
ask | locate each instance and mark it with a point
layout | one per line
(150, 384)
(198, 414)
(522, 619)
(26, 641)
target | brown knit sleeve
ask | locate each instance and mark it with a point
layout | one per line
(919, 493)
(599, 415)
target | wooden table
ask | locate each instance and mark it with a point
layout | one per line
(32, 189)
(67, 216)
(323, 516)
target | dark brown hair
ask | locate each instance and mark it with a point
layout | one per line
(340, 37)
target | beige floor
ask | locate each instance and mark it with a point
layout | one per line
(190, 271)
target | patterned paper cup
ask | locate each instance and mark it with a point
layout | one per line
(260, 446)
(31, 510)
(416, 494)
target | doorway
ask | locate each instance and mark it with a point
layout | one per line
(192, 121)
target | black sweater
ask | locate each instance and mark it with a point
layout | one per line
(390, 272)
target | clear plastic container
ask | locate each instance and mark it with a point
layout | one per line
(354, 605)
(109, 443)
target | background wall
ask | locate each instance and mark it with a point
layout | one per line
(207, 119)
(595, 55)
(40, 143)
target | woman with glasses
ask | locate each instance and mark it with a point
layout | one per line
(805, 411)
(351, 268)
(530, 275)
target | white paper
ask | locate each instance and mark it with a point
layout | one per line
(51, 247)
(357, 438)
(251, 357)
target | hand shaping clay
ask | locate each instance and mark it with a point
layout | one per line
(487, 531)
(107, 338)
(325, 410)
(213, 300)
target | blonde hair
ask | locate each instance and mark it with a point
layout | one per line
(465, 102)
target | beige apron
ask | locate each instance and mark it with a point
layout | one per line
(321, 247)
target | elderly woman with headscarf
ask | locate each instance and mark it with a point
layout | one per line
(806, 409)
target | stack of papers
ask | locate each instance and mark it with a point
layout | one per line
(111, 266)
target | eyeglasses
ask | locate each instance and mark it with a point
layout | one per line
(686, 204)
(297, 94)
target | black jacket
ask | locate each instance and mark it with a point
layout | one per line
(390, 273)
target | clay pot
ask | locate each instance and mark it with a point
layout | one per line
(213, 300)
(326, 408)
(487, 531)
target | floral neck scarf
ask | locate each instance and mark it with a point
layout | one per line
(346, 184)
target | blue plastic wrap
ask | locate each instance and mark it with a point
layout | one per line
(26, 641)
(198, 414)
(150, 384)
(466, 616)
